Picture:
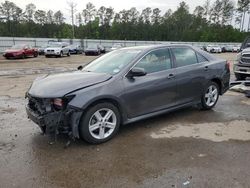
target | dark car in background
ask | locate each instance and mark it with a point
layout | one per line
(101, 48)
(124, 86)
(42, 48)
(92, 50)
(75, 49)
(20, 51)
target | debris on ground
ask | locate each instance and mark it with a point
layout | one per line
(241, 86)
(186, 183)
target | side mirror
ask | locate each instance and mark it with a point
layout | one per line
(136, 72)
(80, 67)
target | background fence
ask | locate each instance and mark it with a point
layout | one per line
(6, 42)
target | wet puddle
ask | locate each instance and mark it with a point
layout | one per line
(216, 132)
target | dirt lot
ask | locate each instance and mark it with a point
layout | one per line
(187, 148)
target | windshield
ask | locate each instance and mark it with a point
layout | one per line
(17, 47)
(113, 62)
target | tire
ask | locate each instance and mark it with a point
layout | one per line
(68, 54)
(23, 56)
(35, 54)
(210, 96)
(61, 54)
(240, 76)
(101, 132)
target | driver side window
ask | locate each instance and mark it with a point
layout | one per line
(155, 61)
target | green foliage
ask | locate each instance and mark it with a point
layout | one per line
(207, 23)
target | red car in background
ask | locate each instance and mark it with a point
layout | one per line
(20, 51)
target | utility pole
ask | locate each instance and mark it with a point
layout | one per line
(72, 10)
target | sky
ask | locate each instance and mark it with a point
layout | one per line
(116, 4)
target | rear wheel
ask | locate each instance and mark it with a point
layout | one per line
(240, 76)
(210, 96)
(100, 123)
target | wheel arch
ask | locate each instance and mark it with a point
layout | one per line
(111, 100)
(219, 83)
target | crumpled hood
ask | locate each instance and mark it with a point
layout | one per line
(58, 85)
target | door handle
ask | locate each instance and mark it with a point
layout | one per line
(206, 68)
(170, 76)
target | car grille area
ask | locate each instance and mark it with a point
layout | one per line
(245, 58)
(39, 106)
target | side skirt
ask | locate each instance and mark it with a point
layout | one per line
(157, 113)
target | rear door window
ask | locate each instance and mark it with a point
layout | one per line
(184, 56)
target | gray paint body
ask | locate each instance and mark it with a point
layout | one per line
(138, 97)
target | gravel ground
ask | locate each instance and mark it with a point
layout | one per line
(186, 148)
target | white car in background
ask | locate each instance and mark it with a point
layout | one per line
(116, 46)
(214, 49)
(236, 49)
(57, 49)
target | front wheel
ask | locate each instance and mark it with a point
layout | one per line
(100, 123)
(68, 54)
(210, 96)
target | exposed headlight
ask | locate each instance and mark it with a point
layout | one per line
(61, 103)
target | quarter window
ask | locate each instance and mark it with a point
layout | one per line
(155, 61)
(184, 56)
(201, 58)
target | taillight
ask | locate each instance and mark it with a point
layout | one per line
(228, 65)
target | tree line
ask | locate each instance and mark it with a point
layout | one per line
(221, 21)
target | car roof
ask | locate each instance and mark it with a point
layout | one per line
(151, 47)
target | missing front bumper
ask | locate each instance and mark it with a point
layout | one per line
(65, 122)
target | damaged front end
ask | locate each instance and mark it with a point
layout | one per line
(54, 116)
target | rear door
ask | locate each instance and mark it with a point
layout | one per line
(154, 91)
(191, 73)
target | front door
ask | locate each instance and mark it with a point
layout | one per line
(154, 91)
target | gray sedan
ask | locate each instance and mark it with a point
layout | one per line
(124, 86)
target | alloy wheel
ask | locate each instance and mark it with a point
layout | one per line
(211, 95)
(102, 123)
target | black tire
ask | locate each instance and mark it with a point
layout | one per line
(68, 54)
(84, 123)
(240, 76)
(46, 56)
(61, 54)
(204, 105)
(35, 54)
(23, 56)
